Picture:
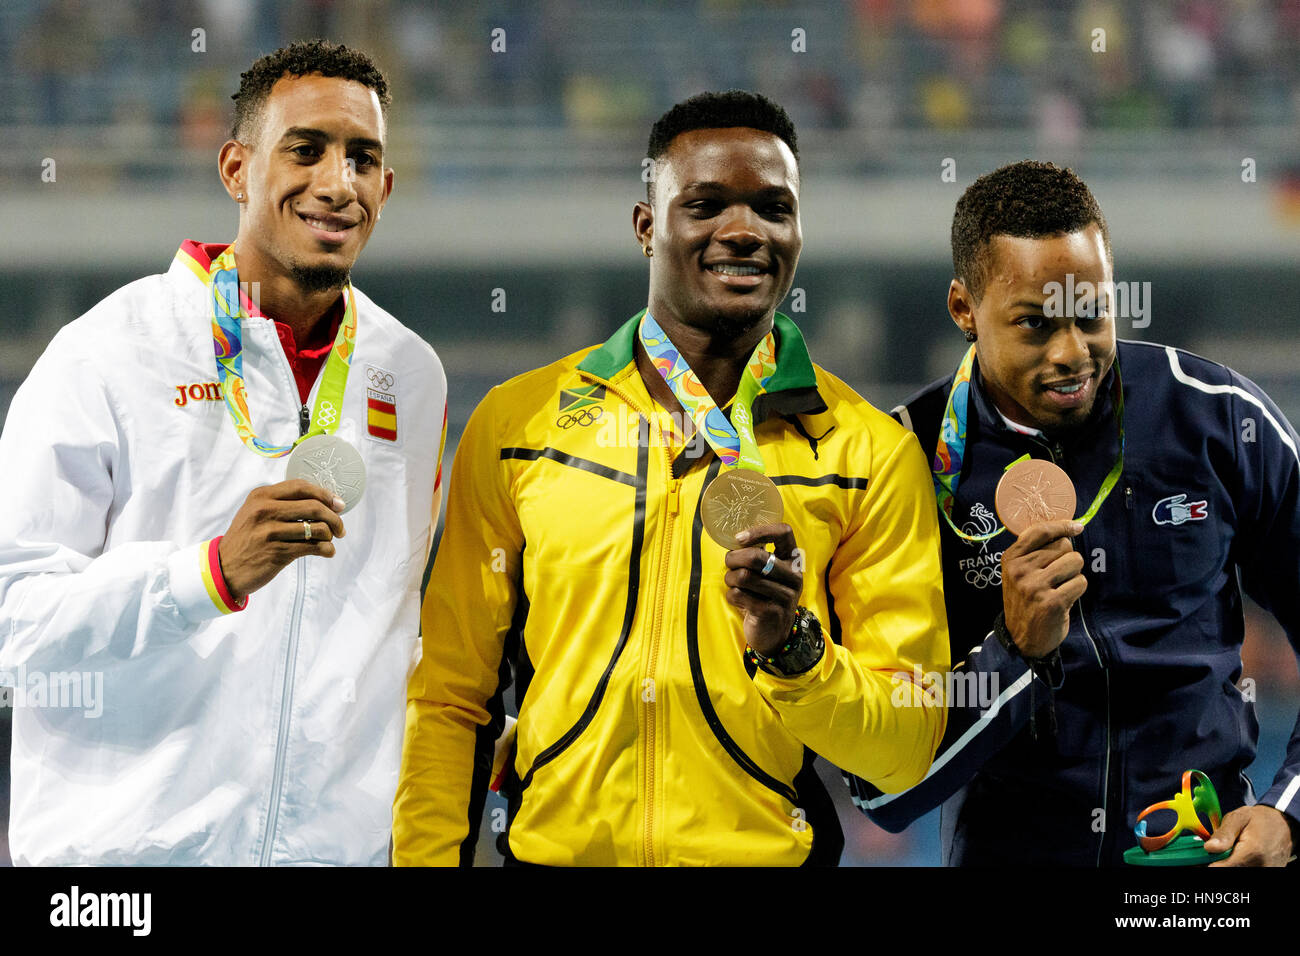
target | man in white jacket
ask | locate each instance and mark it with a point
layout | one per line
(161, 714)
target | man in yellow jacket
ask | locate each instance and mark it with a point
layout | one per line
(673, 690)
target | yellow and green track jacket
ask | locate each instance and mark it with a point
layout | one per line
(573, 562)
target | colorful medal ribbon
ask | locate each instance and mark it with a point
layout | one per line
(228, 344)
(731, 438)
(948, 456)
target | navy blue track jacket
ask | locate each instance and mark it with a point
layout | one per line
(1208, 504)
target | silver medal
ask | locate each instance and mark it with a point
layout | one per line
(332, 463)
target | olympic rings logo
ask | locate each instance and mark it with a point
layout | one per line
(585, 416)
(986, 577)
(327, 415)
(380, 380)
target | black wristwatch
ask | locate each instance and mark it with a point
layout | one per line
(1048, 668)
(1004, 636)
(799, 654)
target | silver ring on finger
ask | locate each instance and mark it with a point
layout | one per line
(771, 563)
(306, 530)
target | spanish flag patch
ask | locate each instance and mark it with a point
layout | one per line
(381, 414)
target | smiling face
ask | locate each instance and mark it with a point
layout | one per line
(313, 180)
(1040, 371)
(724, 229)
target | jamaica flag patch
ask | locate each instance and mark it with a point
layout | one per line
(581, 396)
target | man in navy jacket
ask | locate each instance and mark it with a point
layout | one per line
(1095, 660)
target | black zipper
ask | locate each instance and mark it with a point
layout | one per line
(1055, 452)
(733, 749)
(1111, 775)
(1111, 795)
(304, 420)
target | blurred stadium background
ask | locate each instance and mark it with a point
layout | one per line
(517, 170)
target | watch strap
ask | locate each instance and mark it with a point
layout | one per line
(800, 653)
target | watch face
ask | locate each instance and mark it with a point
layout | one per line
(808, 650)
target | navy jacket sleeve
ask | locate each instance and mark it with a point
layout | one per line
(1268, 552)
(990, 696)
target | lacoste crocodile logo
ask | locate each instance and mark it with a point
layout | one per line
(1176, 510)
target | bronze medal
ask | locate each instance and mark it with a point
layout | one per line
(736, 501)
(1032, 492)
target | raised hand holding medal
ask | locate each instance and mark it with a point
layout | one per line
(325, 475)
(1042, 574)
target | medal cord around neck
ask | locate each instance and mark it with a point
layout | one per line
(227, 341)
(951, 450)
(732, 438)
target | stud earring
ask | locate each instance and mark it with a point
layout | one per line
(970, 336)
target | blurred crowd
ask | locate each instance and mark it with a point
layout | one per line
(1059, 68)
(133, 75)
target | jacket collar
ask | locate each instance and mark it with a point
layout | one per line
(792, 389)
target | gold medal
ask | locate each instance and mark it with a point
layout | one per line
(1032, 492)
(736, 501)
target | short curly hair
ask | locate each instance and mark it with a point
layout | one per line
(301, 59)
(720, 111)
(1028, 200)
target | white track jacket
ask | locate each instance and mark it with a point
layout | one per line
(149, 727)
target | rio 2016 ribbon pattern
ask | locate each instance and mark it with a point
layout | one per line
(732, 439)
(227, 342)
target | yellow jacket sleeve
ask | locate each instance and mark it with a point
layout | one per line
(453, 709)
(862, 707)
